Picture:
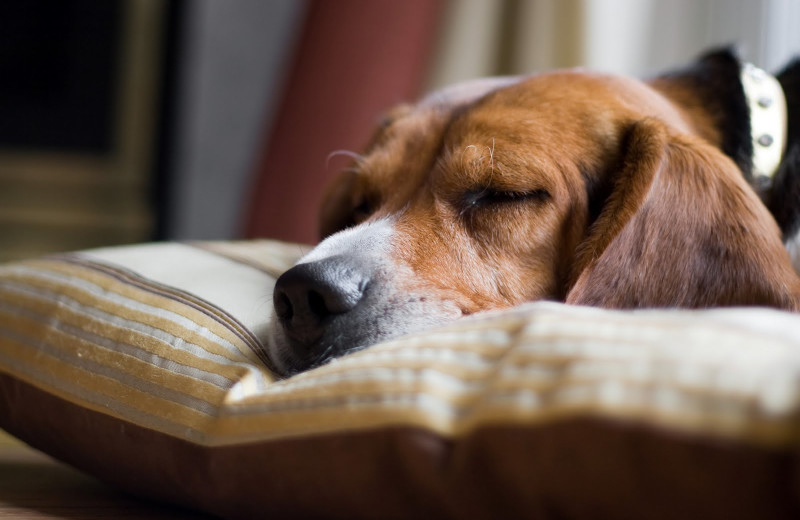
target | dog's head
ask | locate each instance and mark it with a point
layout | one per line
(568, 186)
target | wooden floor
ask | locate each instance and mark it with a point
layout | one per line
(33, 485)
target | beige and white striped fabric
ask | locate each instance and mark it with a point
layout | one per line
(150, 356)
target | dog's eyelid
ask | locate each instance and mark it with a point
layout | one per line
(475, 202)
(489, 196)
(363, 207)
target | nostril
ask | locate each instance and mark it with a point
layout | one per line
(283, 306)
(317, 305)
(308, 297)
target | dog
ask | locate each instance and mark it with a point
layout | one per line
(579, 187)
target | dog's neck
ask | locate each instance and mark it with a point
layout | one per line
(768, 125)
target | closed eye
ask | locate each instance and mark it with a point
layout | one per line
(362, 212)
(492, 198)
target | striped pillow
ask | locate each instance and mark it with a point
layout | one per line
(144, 366)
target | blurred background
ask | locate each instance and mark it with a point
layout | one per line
(133, 120)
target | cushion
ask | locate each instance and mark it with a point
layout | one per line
(144, 366)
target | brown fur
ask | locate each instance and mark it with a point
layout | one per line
(636, 205)
(623, 200)
(682, 229)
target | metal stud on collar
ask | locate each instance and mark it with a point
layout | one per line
(767, 106)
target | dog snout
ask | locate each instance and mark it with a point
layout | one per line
(309, 296)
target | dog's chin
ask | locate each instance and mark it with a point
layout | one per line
(348, 334)
(288, 357)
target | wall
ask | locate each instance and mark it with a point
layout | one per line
(234, 58)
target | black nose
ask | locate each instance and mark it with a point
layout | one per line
(308, 296)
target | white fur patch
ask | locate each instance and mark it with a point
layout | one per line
(368, 239)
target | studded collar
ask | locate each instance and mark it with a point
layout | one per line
(768, 126)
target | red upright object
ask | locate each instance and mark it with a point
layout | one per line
(355, 59)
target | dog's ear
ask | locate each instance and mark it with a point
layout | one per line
(711, 90)
(680, 228)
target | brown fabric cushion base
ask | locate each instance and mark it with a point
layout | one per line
(577, 468)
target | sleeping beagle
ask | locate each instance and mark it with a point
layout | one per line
(572, 186)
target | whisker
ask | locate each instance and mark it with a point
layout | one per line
(323, 357)
(357, 157)
(491, 161)
(464, 153)
(350, 350)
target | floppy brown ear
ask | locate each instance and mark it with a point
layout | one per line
(681, 228)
